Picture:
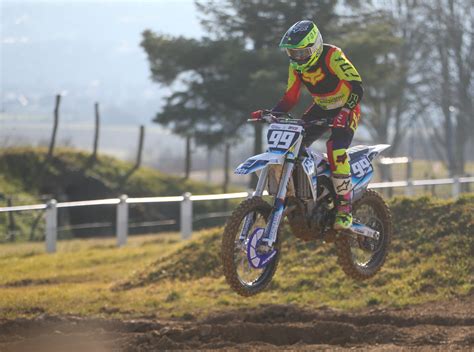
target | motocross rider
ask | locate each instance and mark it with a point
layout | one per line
(336, 88)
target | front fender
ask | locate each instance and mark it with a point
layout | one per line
(258, 162)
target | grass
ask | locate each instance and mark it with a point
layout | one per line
(161, 276)
(78, 277)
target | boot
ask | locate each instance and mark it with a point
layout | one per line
(343, 188)
(343, 219)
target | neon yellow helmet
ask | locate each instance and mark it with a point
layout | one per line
(304, 45)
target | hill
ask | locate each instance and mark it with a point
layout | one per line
(72, 176)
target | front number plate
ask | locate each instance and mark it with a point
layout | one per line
(282, 137)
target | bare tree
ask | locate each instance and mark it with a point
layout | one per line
(395, 101)
(451, 36)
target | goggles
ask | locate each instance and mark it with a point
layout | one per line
(302, 54)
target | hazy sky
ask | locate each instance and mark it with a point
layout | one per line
(89, 50)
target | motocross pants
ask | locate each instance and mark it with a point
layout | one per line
(337, 145)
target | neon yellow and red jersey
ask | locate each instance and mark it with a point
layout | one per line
(333, 82)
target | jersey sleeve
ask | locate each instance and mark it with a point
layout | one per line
(292, 94)
(340, 65)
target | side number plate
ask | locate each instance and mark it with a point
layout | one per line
(361, 167)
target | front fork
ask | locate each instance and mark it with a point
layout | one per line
(270, 235)
(271, 231)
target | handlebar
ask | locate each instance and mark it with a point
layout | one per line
(269, 116)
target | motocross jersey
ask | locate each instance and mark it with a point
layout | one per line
(333, 83)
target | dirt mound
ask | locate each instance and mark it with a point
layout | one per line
(437, 325)
(197, 259)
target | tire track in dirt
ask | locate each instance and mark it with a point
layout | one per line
(439, 325)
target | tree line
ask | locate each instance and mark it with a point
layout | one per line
(415, 58)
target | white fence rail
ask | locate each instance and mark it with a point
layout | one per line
(186, 200)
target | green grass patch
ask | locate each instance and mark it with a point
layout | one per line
(162, 276)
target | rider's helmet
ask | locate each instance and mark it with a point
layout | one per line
(303, 44)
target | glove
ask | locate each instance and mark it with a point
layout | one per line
(257, 115)
(341, 120)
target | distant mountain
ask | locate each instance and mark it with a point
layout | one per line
(87, 50)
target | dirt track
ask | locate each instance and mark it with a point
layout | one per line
(441, 325)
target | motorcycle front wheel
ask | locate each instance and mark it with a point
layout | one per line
(242, 277)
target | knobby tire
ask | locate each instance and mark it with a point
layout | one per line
(231, 233)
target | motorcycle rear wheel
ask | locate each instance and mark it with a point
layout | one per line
(361, 258)
(241, 277)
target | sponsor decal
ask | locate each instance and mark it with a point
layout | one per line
(314, 77)
(341, 159)
(344, 186)
(276, 219)
(308, 166)
(352, 101)
(302, 27)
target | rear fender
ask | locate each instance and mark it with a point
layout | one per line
(370, 151)
(375, 150)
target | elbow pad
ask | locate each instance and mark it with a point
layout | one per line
(355, 96)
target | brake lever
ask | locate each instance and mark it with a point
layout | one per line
(269, 118)
(265, 118)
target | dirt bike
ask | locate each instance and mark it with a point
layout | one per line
(298, 181)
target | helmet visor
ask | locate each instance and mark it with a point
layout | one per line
(303, 53)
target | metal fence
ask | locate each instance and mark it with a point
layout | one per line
(186, 210)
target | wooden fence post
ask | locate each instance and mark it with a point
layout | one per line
(55, 127)
(138, 161)
(11, 222)
(96, 132)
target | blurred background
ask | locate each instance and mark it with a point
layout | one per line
(87, 86)
(103, 99)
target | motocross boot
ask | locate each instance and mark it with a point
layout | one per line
(343, 186)
(343, 219)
